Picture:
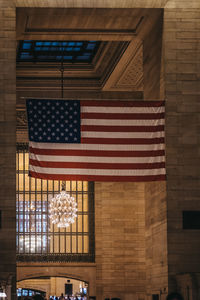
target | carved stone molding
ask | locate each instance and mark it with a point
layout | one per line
(55, 258)
(133, 74)
(128, 74)
(21, 120)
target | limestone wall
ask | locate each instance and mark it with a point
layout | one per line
(7, 143)
(120, 240)
(182, 88)
(156, 239)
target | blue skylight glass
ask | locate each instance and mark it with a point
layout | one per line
(26, 46)
(90, 46)
(68, 57)
(47, 43)
(54, 51)
(26, 55)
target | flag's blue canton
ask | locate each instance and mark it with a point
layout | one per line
(54, 121)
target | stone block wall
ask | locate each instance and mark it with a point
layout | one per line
(7, 145)
(120, 240)
(182, 88)
(156, 239)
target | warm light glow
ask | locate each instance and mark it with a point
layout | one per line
(30, 243)
(63, 209)
(2, 294)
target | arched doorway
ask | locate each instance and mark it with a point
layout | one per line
(81, 275)
(49, 287)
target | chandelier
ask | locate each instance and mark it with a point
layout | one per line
(63, 209)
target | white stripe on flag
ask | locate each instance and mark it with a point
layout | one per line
(121, 135)
(103, 147)
(122, 122)
(97, 159)
(103, 172)
(122, 110)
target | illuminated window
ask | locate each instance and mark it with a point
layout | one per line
(36, 235)
(55, 51)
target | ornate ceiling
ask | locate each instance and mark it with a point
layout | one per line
(117, 70)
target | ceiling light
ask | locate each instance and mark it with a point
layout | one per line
(63, 209)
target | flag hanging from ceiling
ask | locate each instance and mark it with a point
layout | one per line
(96, 140)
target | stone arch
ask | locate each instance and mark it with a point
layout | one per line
(82, 272)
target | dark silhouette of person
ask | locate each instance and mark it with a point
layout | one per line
(174, 296)
(38, 297)
(61, 297)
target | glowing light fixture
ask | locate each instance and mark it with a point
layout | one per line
(2, 293)
(63, 209)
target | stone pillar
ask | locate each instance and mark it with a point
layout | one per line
(9, 292)
(120, 240)
(7, 142)
(156, 239)
(182, 89)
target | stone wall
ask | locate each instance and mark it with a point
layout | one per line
(120, 240)
(156, 239)
(7, 144)
(182, 88)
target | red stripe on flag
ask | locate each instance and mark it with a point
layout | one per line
(114, 103)
(98, 178)
(119, 116)
(108, 128)
(100, 166)
(128, 141)
(100, 153)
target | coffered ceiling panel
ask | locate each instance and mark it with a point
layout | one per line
(119, 62)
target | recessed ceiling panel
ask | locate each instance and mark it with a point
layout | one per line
(57, 51)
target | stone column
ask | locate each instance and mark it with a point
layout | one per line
(182, 89)
(7, 142)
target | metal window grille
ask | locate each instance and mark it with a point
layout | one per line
(37, 238)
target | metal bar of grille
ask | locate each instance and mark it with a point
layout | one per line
(53, 238)
(35, 225)
(76, 219)
(42, 213)
(65, 235)
(91, 223)
(24, 210)
(48, 224)
(82, 220)
(59, 240)
(30, 214)
(70, 225)
(18, 203)
(35, 214)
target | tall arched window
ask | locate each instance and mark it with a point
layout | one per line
(37, 238)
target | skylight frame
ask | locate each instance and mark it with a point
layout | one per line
(57, 51)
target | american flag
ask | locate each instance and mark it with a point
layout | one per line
(96, 140)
